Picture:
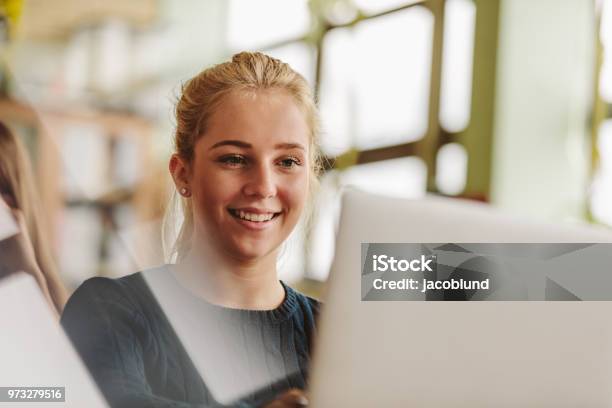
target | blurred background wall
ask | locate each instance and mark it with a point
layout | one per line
(502, 101)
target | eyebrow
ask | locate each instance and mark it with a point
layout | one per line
(246, 145)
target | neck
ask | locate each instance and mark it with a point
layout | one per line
(232, 283)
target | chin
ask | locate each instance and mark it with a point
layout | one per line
(251, 252)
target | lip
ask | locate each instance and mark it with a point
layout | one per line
(253, 210)
(256, 226)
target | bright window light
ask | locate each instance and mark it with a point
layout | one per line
(256, 24)
(405, 177)
(127, 168)
(392, 77)
(77, 63)
(112, 41)
(451, 172)
(85, 157)
(605, 76)
(456, 87)
(375, 82)
(300, 56)
(335, 101)
(373, 7)
(601, 199)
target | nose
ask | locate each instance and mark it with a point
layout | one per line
(261, 182)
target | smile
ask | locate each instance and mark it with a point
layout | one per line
(252, 217)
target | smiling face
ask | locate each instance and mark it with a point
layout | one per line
(250, 173)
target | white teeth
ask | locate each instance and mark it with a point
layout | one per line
(255, 217)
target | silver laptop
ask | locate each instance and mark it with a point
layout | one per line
(454, 354)
(35, 352)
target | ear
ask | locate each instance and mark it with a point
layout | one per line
(179, 169)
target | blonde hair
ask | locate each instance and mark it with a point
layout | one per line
(201, 95)
(17, 182)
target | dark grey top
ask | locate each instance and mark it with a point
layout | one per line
(133, 352)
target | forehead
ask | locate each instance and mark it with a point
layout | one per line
(262, 116)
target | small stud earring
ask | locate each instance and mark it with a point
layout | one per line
(184, 192)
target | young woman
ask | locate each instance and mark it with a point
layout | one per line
(217, 326)
(28, 251)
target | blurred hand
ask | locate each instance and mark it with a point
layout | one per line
(294, 398)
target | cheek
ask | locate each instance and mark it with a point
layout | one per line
(297, 192)
(210, 192)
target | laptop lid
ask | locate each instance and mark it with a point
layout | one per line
(432, 354)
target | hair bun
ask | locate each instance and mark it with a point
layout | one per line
(245, 56)
(237, 57)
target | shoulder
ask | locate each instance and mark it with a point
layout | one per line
(309, 306)
(313, 304)
(128, 295)
(105, 290)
